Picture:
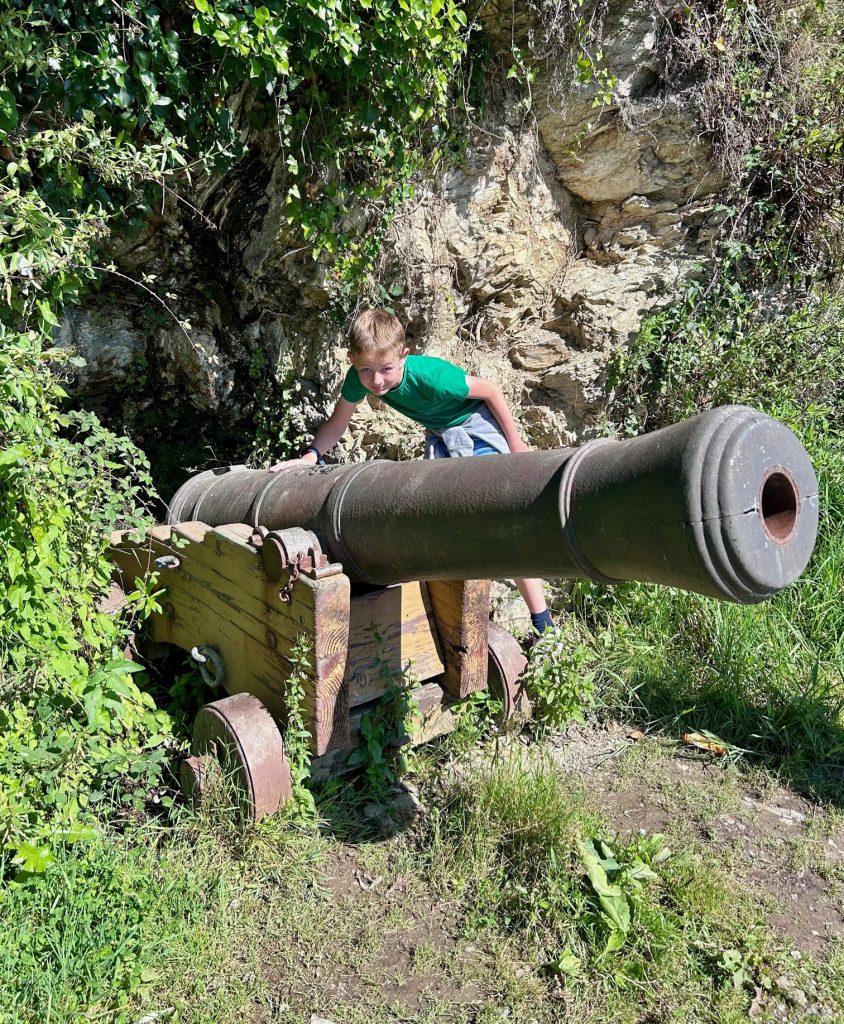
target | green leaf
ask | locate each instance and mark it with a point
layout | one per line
(436, 7)
(615, 940)
(8, 113)
(611, 898)
(47, 313)
(14, 456)
(33, 859)
(617, 909)
(567, 964)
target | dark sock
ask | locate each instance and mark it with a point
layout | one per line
(542, 621)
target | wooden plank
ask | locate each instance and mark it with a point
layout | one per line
(220, 596)
(331, 650)
(461, 612)
(436, 719)
(233, 571)
(390, 630)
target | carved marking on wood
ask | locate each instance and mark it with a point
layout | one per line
(404, 621)
(461, 611)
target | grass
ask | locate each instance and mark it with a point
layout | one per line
(487, 910)
(506, 844)
(153, 922)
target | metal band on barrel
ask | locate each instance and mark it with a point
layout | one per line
(566, 488)
(205, 494)
(333, 522)
(259, 501)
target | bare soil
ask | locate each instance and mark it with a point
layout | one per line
(779, 842)
(408, 958)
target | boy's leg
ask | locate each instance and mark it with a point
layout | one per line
(534, 596)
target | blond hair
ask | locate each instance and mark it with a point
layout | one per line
(376, 333)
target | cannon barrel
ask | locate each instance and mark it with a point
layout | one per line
(723, 504)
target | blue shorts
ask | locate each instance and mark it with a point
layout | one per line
(482, 448)
(479, 448)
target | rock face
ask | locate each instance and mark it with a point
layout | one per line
(567, 221)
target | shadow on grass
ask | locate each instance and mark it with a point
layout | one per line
(352, 814)
(798, 736)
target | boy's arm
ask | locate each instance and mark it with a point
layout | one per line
(326, 437)
(479, 387)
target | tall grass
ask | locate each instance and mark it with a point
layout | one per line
(155, 924)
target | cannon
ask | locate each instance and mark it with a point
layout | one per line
(381, 565)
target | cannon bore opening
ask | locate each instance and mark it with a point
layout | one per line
(779, 506)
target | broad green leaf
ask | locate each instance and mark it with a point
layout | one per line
(33, 859)
(8, 113)
(617, 909)
(47, 313)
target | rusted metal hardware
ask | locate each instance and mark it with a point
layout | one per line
(295, 551)
(211, 666)
(167, 562)
(506, 665)
(237, 738)
(724, 504)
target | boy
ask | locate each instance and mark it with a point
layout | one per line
(462, 415)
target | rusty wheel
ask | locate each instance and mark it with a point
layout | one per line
(506, 664)
(238, 735)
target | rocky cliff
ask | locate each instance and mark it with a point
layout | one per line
(566, 221)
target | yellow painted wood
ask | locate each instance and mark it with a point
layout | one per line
(461, 612)
(219, 595)
(391, 630)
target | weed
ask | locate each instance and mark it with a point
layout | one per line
(518, 846)
(616, 878)
(559, 680)
(297, 736)
(478, 717)
(386, 729)
(644, 759)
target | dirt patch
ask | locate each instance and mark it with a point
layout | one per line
(646, 785)
(384, 944)
(401, 951)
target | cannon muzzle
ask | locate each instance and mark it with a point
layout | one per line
(723, 504)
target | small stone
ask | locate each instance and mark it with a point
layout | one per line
(796, 996)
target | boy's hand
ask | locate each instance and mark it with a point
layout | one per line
(520, 446)
(308, 459)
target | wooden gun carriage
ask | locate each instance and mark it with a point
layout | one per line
(229, 600)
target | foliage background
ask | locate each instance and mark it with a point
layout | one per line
(104, 109)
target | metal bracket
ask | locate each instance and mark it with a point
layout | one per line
(293, 550)
(210, 663)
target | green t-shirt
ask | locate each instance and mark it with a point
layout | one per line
(433, 392)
